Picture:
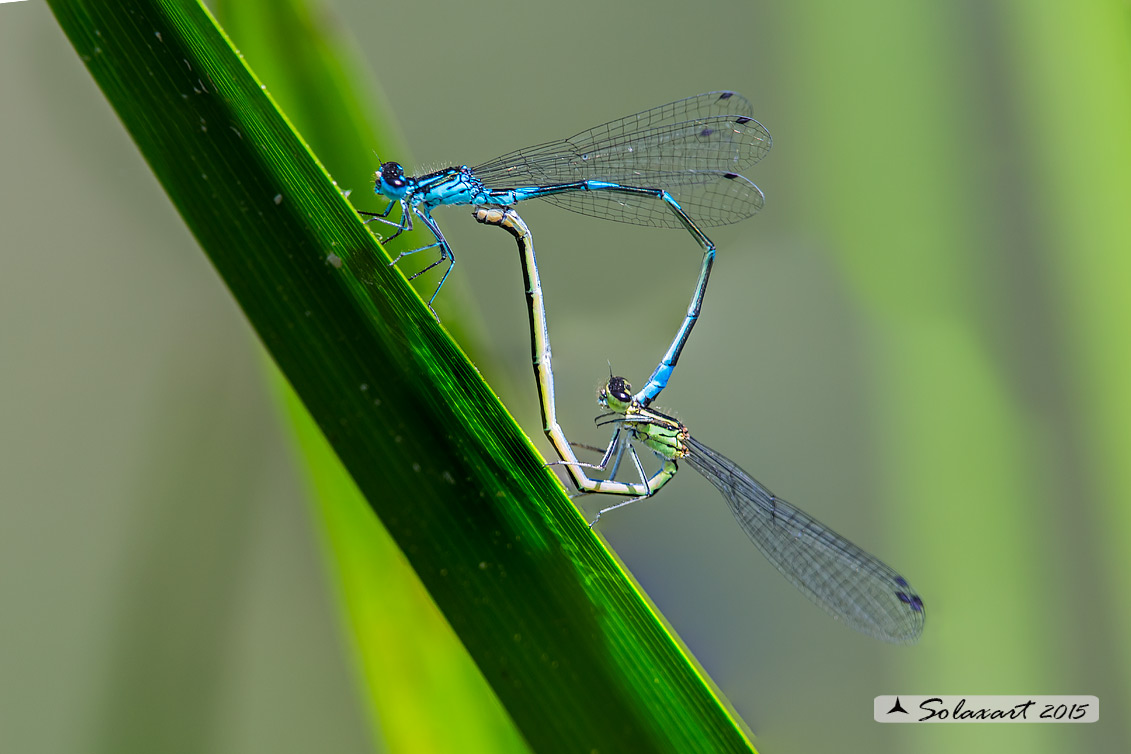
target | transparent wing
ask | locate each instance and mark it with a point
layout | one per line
(726, 199)
(693, 142)
(846, 581)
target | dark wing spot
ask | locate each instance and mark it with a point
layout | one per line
(706, 132)
(742, 119)
(913, 601)
(726, 95)
(732, 176)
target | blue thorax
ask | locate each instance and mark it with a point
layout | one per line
(447, 186)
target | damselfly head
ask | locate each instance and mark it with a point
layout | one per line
(616, 394)
(391, 181)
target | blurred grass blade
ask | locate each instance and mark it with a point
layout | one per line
(572, 651)
(420, 682)
(988, 254)
(919, 337)
(412, 662)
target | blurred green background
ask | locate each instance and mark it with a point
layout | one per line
(921, 341)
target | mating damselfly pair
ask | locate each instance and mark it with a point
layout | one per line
(672, 166)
